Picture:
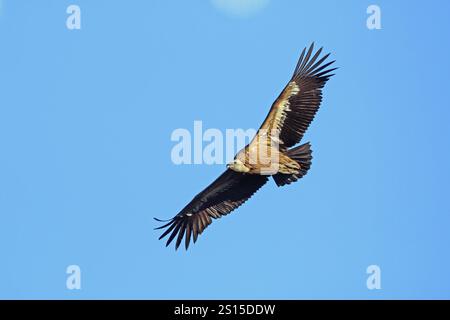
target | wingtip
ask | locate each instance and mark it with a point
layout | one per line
(177, 246)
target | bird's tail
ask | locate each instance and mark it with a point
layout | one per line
(303, 155)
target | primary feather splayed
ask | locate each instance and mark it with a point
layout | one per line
(267, 155)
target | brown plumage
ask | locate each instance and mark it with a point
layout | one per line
(268, 154)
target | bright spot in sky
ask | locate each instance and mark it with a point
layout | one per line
(241, 8)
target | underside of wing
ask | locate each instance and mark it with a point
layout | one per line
(224, 195)
(295, 108)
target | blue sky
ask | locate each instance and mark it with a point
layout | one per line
(85, 123)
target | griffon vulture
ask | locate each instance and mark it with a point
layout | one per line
(271, 153)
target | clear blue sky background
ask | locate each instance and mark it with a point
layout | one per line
(85, 124)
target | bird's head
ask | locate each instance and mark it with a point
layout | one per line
(238, 166)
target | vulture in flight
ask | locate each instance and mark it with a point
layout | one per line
(271, 153)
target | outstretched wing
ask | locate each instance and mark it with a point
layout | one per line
(221, 197)
(295, 108)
